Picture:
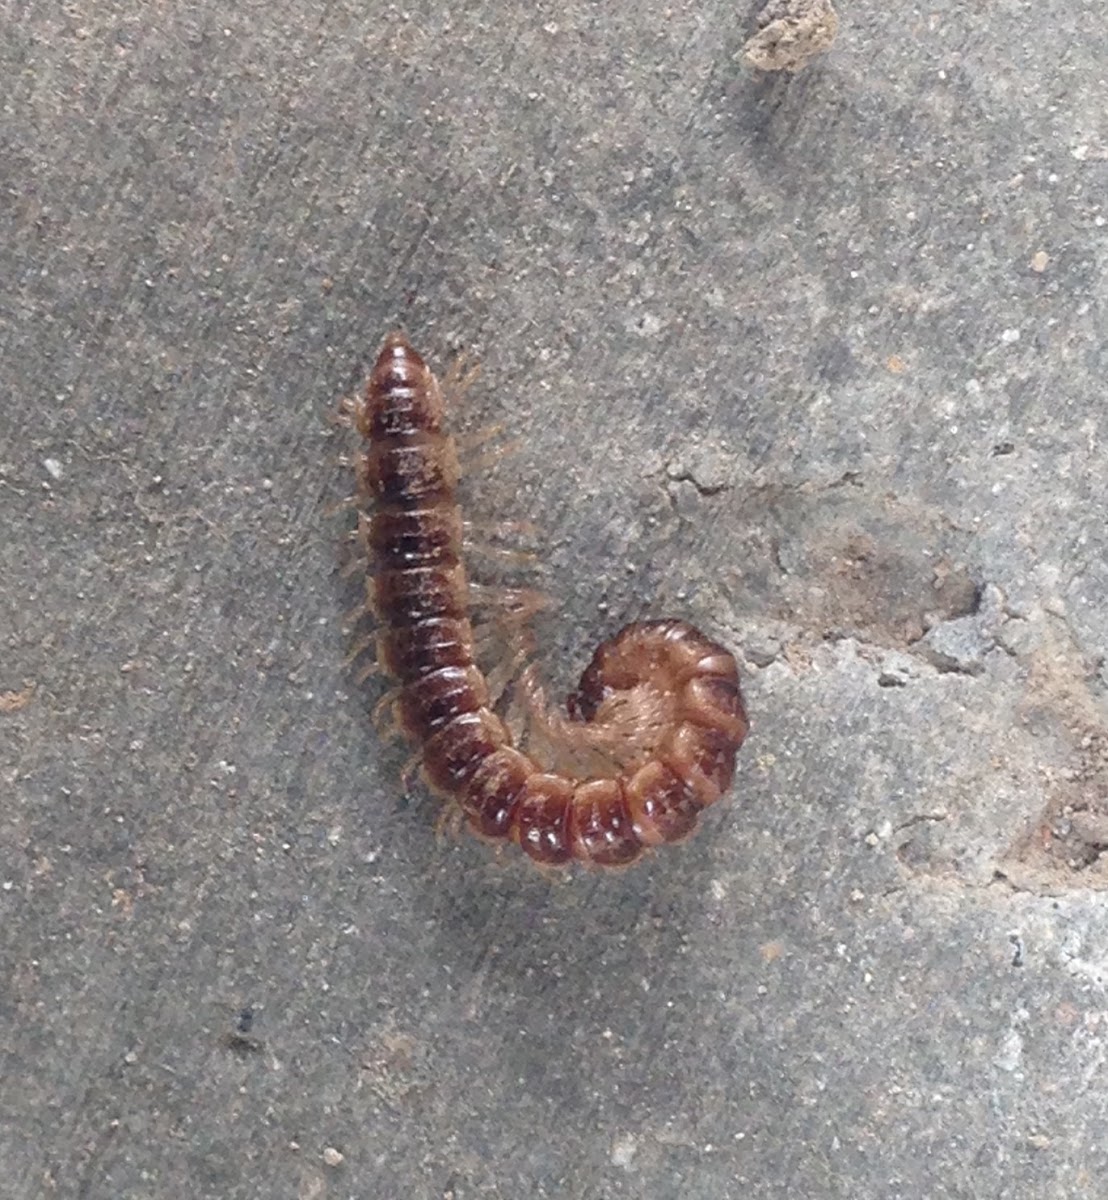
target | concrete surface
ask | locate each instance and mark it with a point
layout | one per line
(818, 362)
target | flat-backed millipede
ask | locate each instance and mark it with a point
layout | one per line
(658, 707)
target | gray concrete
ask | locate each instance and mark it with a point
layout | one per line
(818, 362)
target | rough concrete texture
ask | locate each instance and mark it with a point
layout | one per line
(818, 362)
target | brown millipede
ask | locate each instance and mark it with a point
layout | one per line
(652, 729)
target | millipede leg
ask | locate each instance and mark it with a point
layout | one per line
(506, 635)
(337, 506)
(360, 535)
(367, 672)
(500, 676)
(450, 821)
(512, 605)
(472, 463)
(359, 648)
(354, 617)
(631, 725)
(459, 376)
(500, 529)
(363, 646)
(488, 642)
(516, 558)
(468, 442)
(409, 772)
(347, 412)
(480, 537)
(384, 717)
(359, 563)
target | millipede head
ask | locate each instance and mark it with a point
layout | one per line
(398, 365)
(402, 395)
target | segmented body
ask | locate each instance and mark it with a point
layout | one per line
(418, 588)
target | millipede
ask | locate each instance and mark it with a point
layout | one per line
(650, 735)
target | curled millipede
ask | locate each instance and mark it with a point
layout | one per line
(652, 730)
